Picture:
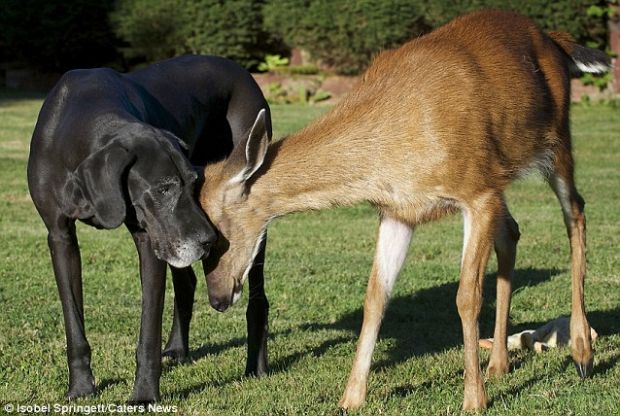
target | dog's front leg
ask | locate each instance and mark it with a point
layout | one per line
(184, 280)
(257, 315)
(148, 354)
(65, 253)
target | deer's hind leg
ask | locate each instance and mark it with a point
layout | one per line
(506, 239)
(481, 217)
(563, 184)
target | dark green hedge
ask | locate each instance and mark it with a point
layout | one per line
(346, 34)
(61, 34)
(157, 29)
(152, 29)
(54, 35)
(563, 15)
(341, 33)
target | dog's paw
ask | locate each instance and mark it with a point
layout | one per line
(143, 399)
(174, 356)
(82, 389)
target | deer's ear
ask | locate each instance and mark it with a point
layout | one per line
(249, 156)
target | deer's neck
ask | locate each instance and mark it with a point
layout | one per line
(318, 168)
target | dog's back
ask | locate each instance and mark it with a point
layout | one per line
(206, 101)
(203, 100)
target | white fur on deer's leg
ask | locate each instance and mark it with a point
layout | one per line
(392, 246)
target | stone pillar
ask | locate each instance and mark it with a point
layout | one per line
(614, 45)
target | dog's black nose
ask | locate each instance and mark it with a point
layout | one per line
(207, 240)
(211, 237)
(206, 244)
(206, 248)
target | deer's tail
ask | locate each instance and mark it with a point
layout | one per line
(582, 59)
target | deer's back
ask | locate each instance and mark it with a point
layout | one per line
(471, 105)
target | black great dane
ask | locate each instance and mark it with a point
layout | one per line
(112, 148)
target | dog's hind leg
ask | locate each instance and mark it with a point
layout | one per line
(257, 318)
(65, 253)
(148, 354)
(184, 280)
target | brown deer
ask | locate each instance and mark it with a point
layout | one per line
(444, 123)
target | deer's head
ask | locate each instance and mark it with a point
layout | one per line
(226, 198)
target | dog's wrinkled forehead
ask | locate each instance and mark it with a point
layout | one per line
(177, 151)
(161, 169)
(167, 145)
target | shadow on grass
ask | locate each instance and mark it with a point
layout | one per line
(203, 351)
(214, 349)
(275, 367)
(427, 321)
(107, 383)
(412, 323)
(603, 367)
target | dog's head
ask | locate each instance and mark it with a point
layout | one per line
(143, 170)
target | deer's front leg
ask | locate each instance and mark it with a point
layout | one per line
(506, 240)
(479, 225)
(148, 353)
(392, 246)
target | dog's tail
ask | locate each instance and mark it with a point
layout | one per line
(582, 59)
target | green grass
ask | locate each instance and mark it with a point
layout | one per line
(317, 266)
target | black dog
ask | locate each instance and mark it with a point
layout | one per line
(109, 148)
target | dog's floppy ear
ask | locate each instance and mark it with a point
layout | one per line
(95, 188)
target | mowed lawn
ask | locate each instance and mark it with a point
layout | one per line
(317, 267)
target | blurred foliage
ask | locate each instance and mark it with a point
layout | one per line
(273, 63)
(152, 29)
(158, 29)
(232, 28)
(293, 91)
(345, 35)
(565, 15)
(55, 35)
